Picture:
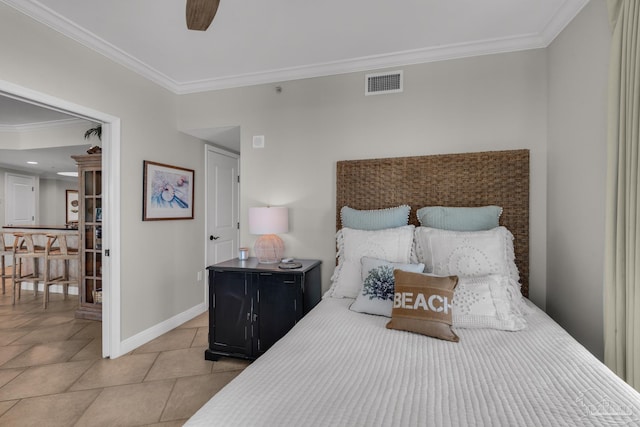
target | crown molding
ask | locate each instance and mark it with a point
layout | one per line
(59, 23)
(396, 59)
(567, 10)
(26, 127)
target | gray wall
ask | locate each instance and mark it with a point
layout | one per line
(492, 102)
(53, 195)
(578, 66)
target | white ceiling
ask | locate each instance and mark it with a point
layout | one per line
(15, 114)
(252, 42)
(20, 116)
(50, 161)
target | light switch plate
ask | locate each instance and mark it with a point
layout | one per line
(258, 141)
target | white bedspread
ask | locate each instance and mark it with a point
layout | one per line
(340, 368)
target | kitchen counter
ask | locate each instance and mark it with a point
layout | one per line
(38, 228)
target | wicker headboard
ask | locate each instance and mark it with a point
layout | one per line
(498, 178)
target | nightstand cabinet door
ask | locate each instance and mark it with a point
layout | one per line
(279, 298)
(231, 307)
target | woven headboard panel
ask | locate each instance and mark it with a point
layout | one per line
(498, 178)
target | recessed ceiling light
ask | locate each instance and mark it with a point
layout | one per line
(31, 162)
(68, 174)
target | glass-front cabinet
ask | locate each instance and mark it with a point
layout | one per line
(90, 227)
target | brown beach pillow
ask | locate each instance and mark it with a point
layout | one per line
(423, 304)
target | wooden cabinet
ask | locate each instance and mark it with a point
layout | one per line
(252, 305)
(90, 228)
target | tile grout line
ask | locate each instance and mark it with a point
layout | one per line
(68, 389)
(155, 359)
(30, 346)
(164, 407)
(12, 380)
(9, 408)
(195, 335)
(88, 406)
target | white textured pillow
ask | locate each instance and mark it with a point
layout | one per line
(391, 244)
(467, 253)
(376, 294)
(487, 302)
(470, 254)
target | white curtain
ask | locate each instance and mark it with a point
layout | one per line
(622, 263)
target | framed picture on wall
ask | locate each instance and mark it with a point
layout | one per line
(167, 192)
(72, 204)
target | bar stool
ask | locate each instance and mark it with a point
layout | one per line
(25, 249)
(62, 252)
(6, 249)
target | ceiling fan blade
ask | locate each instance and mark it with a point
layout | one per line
(200, 13)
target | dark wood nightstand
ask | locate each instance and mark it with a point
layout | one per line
(252, 305)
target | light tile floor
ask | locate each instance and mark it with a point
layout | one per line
(52, 373)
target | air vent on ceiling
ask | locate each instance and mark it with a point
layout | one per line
(379, 83)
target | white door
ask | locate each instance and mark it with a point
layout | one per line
(21, 194)
(223, 220)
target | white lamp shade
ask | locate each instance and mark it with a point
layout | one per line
(268, 220)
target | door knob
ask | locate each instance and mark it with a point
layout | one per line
(214, 237)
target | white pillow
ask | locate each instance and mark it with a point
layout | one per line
(467, 253)
(470, 254)
(391, 244)
(376, 295)
(487, 302)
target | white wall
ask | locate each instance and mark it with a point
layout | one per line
(493, 102)
(578, 66)
(159, 259)
(53, 193)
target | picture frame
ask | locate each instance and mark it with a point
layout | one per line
(72, 205)
(167, 192)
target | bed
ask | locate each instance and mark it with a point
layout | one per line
(338, 367)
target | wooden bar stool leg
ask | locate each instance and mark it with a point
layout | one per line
(61, 258)
(3, 275)
(5, 251)
(13, 281)
(36, 271)
(16, 274)
(47, 269)
(66, 278)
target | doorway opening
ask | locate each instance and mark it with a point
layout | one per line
(111, 340)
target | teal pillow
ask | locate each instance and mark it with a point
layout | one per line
(376, 219)
(460, 219)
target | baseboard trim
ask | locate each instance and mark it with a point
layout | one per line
(153, 332)
(54, 289)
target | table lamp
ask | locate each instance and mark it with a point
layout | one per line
(267, 221)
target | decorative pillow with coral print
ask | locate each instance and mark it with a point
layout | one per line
(378, 284)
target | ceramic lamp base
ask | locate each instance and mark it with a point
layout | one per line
(269, 249)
